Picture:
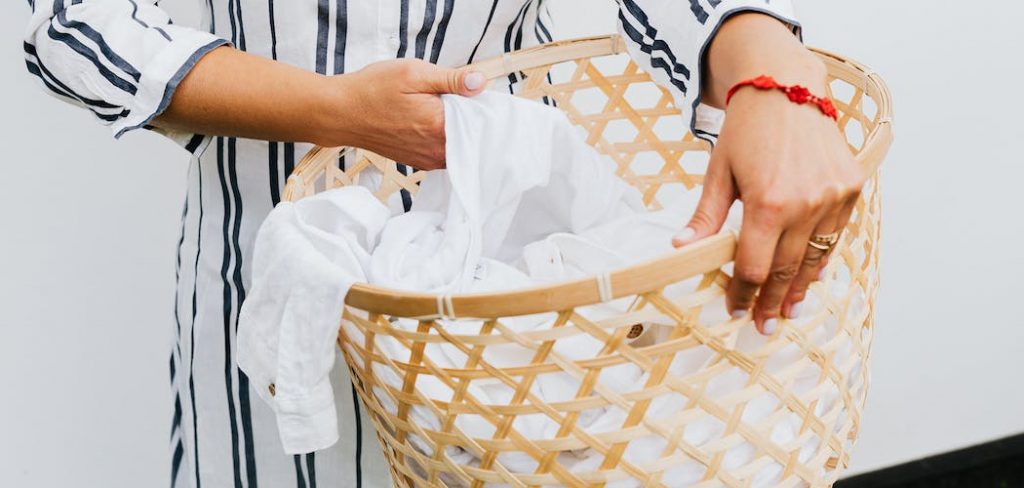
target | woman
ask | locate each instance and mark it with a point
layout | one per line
(319, 72)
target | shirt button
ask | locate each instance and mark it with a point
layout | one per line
(273, 389)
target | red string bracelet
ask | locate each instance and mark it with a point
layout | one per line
(797, 94)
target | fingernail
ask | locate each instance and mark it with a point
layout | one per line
(684, 236)
(794, 310)
(739, 313)
(821, 274)
(769, 326)
(474, 80)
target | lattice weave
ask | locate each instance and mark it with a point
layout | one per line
(811, 376)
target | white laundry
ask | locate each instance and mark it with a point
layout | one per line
(505, 214)
(497, 195)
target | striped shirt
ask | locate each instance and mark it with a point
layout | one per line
(122, 60)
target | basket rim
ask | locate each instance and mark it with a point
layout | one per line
(704, 256)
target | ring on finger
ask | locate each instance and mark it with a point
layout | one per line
(824, 242)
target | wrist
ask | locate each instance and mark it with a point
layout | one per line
(332, 111)
(753, 44)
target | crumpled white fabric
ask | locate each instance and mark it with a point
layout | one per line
(517, 172)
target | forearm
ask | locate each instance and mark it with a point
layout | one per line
(752, 44)
(233, 93)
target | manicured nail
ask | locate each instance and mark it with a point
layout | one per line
(794, 309)
(769, 326)
(821, 274)
(739, 313)
(684, 236)
(474, 80)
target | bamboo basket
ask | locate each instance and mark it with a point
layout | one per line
(629, 118)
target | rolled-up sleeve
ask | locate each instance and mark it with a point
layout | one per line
(120, 59)
(669, 39)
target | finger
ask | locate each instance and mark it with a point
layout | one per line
(758, 239)
(815, 259)
(809, 267)
(459, 82)
(784, 268)
(715, 200)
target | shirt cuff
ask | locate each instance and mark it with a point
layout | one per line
(309, 423)
(161, 76)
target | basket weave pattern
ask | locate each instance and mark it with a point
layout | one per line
(630, 119)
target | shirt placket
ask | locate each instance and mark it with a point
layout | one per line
(388, 19)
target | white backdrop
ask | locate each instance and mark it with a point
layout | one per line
(85, 297)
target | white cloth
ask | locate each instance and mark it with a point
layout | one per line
(517, 171)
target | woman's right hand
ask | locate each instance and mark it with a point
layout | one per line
(394, 109)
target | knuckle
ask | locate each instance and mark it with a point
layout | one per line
(454, 81)
(437, 154)
(771, 203)
(753, 275)
(814, 257)
(406, 70)
(701, 219)
(813, 202)
(785, 273)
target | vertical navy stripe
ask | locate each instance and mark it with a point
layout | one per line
(406, 197)
(322, 19)
(193, 143)
(300, 481)
(487, 25)
(227, 298)
(543, 36)
(311, 469)
(273, 29)
(274, 169)
(192, 329)
(233, 254)
(340, 35)
(359, 438)
(245, 408)
(429, 12)
(176, 421)
(403, 29)
(541, 8)
(213, 16)
(442, 30)
(240, 42)
(289, 159)
(509, 33)
(179, 453)
(522, 23)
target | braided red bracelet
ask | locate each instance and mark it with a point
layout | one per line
(797, 94)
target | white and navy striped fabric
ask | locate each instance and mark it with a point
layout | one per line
(122, 60)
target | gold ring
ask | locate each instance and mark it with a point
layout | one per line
(824, 242)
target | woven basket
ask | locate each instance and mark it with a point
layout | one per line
(632, 120)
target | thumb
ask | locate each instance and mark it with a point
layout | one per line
(717, 197)
(458, 82)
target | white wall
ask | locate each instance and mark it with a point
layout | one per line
(88, 228)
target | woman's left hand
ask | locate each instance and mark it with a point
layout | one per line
(788, 163)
